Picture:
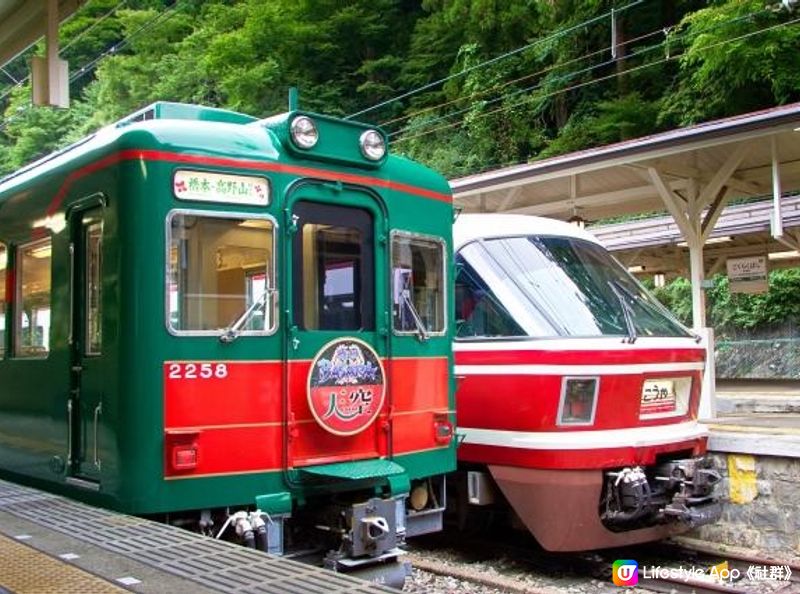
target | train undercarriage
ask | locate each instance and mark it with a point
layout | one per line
(360, 533)
(576, 510)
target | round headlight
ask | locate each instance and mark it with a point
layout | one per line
(372, 145)
(304, 132)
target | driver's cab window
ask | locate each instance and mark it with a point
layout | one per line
(333, 268)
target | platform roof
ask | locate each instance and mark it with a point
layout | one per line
(655, 245)
(23, 22)
(614, 180)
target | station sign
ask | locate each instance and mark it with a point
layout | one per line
(748, 275)
(221, 187)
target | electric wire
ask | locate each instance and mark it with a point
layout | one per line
(519, 79)
(667, 41)
(571, 74)
(88, 67)
(22, 81)
(595, 81)
(496, 59)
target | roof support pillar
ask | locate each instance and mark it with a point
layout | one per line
(687, 215)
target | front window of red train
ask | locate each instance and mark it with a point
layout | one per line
(552, 287)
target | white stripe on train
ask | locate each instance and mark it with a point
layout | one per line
(582, 370)
(635, 437)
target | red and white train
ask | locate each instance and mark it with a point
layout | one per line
(578, 392)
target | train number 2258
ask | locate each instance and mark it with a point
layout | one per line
(197, 370)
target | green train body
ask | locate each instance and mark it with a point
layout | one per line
(202, 314)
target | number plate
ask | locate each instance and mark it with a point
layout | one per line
(658, 396)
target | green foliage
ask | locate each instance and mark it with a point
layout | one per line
(551, 86)
(735, 314)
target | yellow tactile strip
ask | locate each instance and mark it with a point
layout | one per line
(24, 570)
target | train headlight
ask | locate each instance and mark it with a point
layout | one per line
(304, 132)
(373, 147)
(578, 400)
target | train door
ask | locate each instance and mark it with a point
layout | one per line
(337, 385)
(86, 338)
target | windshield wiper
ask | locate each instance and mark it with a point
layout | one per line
(233, 331)
(422, 332)
(626, 310)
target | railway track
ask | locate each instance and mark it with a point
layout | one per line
(517, 565)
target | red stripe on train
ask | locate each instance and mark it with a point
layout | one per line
(153, 155)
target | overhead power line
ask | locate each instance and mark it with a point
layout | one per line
(552, 67)
(594, 81)
(92, 64)
(496, 59)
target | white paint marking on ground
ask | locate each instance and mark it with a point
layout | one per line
(128, 581)
(69, 556)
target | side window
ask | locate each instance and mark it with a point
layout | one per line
(478, 311)
(32, 318)
(418, 284)
(94, 299)
(221, 274)
(3, 298)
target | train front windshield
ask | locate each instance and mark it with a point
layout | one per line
(552, 287)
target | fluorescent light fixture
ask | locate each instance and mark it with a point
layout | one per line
(3, 260)
(659, 280)
(710, 240)
(784, 255)
(635, 269)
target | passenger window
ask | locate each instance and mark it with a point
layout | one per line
(3, 298)
(32, 327)
(221, 274)
(478, 311)
(418, 281)
(94, 300)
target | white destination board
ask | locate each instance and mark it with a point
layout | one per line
(221, 187)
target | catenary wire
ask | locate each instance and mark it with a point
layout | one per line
(595, 81)
(568, 75)
(496, 59)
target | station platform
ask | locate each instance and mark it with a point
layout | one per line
(756, 417)
(50, 544)
(736, 397)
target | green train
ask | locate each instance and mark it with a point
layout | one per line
(235, 324)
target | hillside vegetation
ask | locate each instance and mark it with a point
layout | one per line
(481, 82)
